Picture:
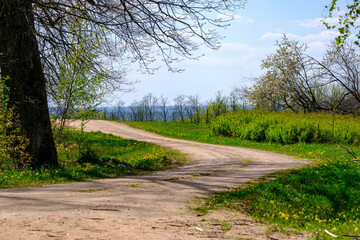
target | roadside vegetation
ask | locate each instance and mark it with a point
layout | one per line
(289, 127)
(325, 195)
(86, 156)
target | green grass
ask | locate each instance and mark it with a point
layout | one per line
(311, 199)
(85, 156)
(176, 130)
(323, 195)
(203, 133)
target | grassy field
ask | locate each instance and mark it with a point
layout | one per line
(325, 195)
(85, 156)
(288, 127)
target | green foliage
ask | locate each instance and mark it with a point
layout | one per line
(217, 108)
(81, 82)
(13, 153)
(78, 86)
(288, 127)
(346, 22)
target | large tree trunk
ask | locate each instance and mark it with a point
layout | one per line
(20, 60)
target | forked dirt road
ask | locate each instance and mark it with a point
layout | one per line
(144, 207)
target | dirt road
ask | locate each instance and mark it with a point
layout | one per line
(146, 207)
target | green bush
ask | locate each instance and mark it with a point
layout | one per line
(13, 144)
(288, 128)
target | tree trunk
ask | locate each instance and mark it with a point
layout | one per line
(20, 60)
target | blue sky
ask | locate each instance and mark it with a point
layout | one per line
(249, 39)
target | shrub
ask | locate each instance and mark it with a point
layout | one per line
(13, 144)
(288, 128)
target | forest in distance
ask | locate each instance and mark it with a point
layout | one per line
(151, 108)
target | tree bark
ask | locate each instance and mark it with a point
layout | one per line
(20, 60)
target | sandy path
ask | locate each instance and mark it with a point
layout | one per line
(146, 207)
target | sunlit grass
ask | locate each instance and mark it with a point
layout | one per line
(86, 156)
(325, 196)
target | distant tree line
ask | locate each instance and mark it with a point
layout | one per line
(184, 108)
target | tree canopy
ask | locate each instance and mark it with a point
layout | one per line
(34, 34)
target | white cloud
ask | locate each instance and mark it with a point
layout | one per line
(245, 50)
(235, 55)
(317, 43)
(236, 17)
(235, 47)
(317, 48)
(270, 35)
(316, 22)
(250, 20)
(322, 36)
(277, 36)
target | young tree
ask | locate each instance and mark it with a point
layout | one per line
(180, 106)
(193, 108)
(206, 113)
(268, 94)
(131, 28)
(137, 111)
(164, 101)
(219, 105)
(78, 85)
(292, 80)
(150, 102)
(120, 111)
(238, 98)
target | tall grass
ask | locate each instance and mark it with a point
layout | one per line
(288, 127)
